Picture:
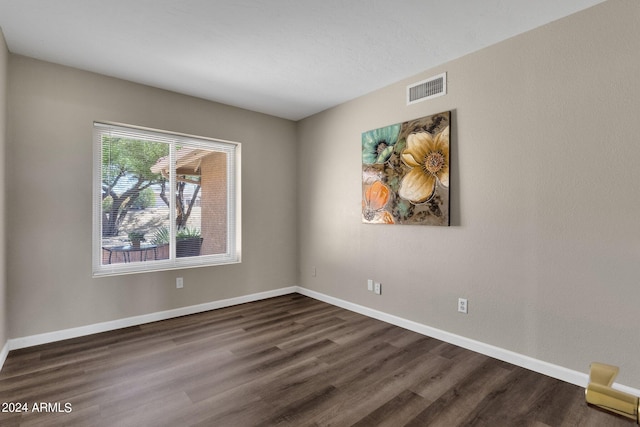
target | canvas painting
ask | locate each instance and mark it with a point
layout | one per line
(405, 172)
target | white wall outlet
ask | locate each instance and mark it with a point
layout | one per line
(370, 285)
(179, 283)
(377, 288)
(313, 272)
(462, 305)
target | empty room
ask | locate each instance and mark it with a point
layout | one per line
(304, 213)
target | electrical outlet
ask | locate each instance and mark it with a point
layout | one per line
(462, 305)
(313, 272)
(370, 285)
(179, 283)
(377, 288)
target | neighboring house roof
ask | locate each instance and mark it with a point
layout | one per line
(188, 162)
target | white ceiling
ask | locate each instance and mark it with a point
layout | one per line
(287, 58)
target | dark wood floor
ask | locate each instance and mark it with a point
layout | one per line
(290, 361)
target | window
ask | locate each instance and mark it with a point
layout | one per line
(163, 200)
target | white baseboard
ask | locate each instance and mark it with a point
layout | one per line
(3, 354)
(48, 337)
(580, 379)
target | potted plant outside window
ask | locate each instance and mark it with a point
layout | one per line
(188, 242)
(136, 237)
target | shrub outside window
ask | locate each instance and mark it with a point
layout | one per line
(163, 200)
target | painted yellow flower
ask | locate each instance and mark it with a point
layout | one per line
(428, 158)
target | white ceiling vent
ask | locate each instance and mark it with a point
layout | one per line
(426, 89)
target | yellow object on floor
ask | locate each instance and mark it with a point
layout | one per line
(600, 393)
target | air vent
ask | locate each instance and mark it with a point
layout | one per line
(427, 89)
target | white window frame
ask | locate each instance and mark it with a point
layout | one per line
(233, 151)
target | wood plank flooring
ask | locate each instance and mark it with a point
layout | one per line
(286, 361)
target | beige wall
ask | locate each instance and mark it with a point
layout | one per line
(4, 58)
(545, 233)
(49, 191)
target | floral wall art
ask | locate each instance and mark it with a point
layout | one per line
(405, 172)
